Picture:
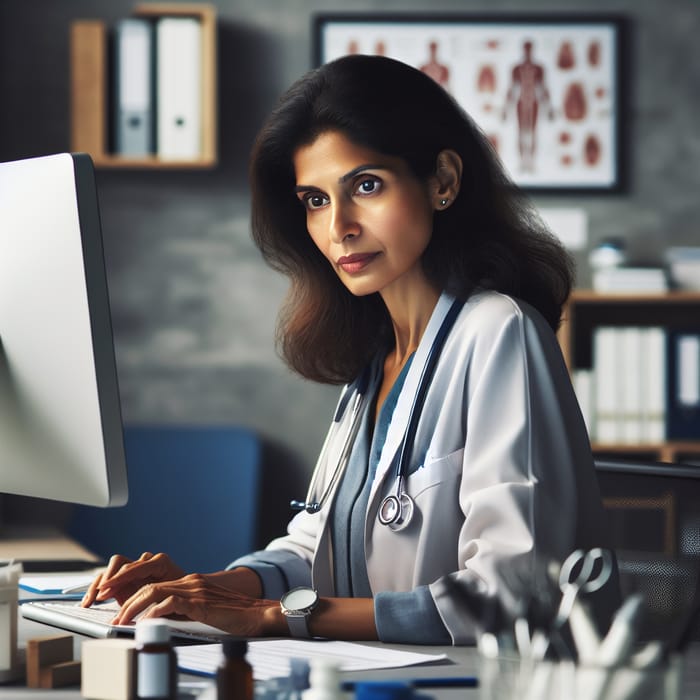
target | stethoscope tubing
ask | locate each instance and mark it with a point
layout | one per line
(423, 384)
(396, 509)
(359, 389)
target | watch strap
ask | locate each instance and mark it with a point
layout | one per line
(298, 625)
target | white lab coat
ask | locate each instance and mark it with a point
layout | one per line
(504, 475)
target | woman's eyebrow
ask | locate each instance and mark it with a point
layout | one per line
(359, 169)
(344, 178)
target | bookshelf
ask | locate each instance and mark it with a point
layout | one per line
(90, 89)
(587, 311)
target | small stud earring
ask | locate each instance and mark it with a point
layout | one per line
(443, 202)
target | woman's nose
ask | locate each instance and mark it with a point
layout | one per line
(343, 223)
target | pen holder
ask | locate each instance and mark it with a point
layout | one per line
(512, 679)
(560, 680)
(661, 682)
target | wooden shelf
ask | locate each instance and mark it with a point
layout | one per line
(585, 310)
(672, 451)
(110, 160)
(89, 90)
(580, 296)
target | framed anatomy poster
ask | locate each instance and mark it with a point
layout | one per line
(545, 89)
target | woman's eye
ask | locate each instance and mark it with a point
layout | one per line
(314, 200)
(369, 185)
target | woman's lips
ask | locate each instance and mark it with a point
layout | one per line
(355, 263)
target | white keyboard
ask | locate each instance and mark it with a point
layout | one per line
(95, 621)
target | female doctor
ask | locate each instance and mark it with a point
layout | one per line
(423, 281)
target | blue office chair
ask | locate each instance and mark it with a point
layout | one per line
(193, 493)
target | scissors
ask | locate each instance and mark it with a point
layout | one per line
(581, 572)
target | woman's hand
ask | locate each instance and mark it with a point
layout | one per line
(123, 577)
(203, 598)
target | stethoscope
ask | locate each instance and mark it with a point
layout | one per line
(396, 509)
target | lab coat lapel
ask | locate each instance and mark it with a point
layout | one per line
(322, 568)
(401, 416)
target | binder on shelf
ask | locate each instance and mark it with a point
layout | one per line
(653, 365)
(683, 396)
(179, 88)
(632, 380)
(606, 358)
(133, 76)
(629, 378)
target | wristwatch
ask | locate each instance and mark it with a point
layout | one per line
(297, 605)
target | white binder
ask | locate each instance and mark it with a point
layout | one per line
(134, 126)
(179, 79)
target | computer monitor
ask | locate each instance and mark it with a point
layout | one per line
(60, 416)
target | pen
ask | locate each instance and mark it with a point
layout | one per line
(456, 682)
(586, 637)
(617, 644)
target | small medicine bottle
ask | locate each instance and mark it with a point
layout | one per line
(324, 680)
(234, 676)
(156, 663)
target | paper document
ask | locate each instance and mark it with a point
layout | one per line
(271, 658)
(54, 584)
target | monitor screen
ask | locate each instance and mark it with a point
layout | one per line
(60, 416)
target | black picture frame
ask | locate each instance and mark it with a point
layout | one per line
(546, 89)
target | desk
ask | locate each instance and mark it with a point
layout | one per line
(465, 661)
(48, 544)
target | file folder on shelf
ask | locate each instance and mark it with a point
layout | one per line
(683, 420)
(653, 380)
(134, 126)
(179, 87)
(606, 354)
(629, 385)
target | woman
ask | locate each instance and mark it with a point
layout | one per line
(384, 204)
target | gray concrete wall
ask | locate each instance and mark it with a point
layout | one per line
(194, 306)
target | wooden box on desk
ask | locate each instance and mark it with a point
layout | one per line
(108, 670)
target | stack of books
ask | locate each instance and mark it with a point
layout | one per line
(643, 386)
(630, 279)
(156, 69)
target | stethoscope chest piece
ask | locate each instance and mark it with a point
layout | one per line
(396, 511)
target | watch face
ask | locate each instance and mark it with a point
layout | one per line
(300, 598)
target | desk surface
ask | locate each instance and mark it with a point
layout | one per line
(462, 661)
(29, 544)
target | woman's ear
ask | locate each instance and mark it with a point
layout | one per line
(447, 179)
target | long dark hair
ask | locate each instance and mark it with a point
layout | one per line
(490, 237)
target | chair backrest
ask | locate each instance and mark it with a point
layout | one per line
(654, 517)
(193, 493)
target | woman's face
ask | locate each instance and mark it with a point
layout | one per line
(366, 212)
